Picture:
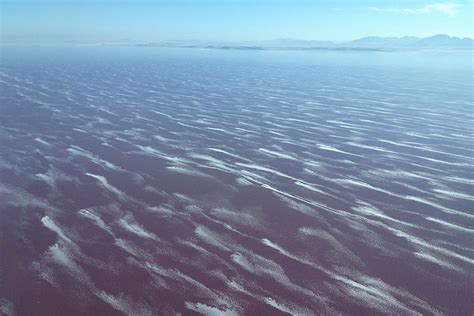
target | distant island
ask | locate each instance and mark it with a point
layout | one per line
(371, 43)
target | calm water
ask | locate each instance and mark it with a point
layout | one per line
(157, 181)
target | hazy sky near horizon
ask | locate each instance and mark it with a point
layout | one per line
(229, 20)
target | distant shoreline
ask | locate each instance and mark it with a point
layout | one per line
(316, 48)
(438, 42)
(250, 48)
(261, 48)
(371, 43)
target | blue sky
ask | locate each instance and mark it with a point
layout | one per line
(229, 20)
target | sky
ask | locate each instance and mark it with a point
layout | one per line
(89, 21)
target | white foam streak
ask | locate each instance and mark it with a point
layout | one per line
(105, 184)
(51, 224)
(209, 310)
(135, 228)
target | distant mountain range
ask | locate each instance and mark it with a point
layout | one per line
(432, 42)
(439, 41)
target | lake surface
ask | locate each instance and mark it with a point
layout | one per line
(150, 181)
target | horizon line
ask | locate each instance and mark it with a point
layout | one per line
(4, 40)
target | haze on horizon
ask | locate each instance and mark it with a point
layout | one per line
(59, 21)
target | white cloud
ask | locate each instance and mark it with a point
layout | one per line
(448, 8)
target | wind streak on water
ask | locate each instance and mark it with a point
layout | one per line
(161, 182)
